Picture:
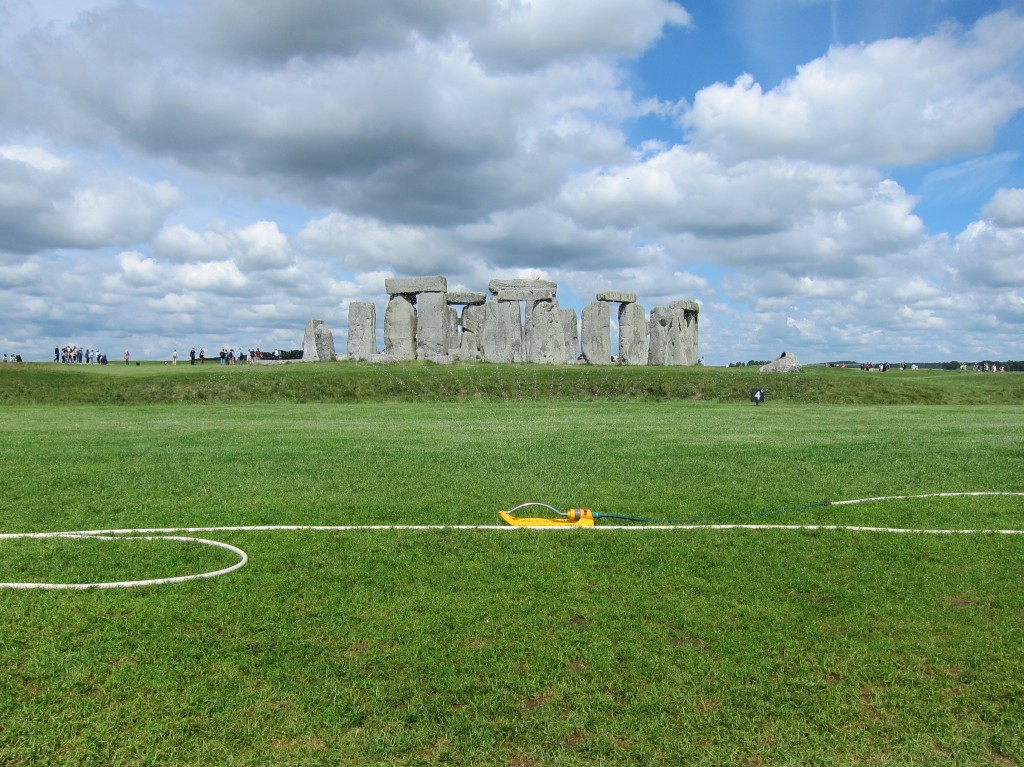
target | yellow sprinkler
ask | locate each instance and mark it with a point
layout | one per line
(571, 518)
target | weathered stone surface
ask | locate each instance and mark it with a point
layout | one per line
(431, 331)
(685, 305)
(362, 330)
(570, 334)
(323, 338)
(472, 323)
(597, 340)
(620, 296)
(400, 328)
(526, 294)
(473, 319)
(451, 327)
(466, 298)
(633, 348)
(405, 285)
(785, 363)
(495, 286)
(661, 318)
(684, 345)
(502, 339)
(673, 334)
(545, 341)
(309, 341)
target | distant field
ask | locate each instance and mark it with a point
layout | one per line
(514, 647)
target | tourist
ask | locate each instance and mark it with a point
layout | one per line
(174, 357)
(192, 356)
(126, 356)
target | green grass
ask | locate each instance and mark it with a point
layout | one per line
(511, 648)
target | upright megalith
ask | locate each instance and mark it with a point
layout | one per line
(545, 340)
(323, 339)
(673, 334)
(597, 340)
(431, 326)
(317, 343)
(502, 339)
(633, 347)
(362, 330)
(570, 335)
(400, 327)
(472, 322)
(309, 341)
(684, 352)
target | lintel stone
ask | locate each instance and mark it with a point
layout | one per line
(620, 296)
(686, 305)
(402, 285)
(526, 294)
(496, 286)
(466, 298)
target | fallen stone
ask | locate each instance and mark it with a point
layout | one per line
(403, 285)
(785, 363)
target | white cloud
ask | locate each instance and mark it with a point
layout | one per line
(1006, 208)
(891, 102)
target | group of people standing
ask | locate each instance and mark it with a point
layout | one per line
(226, 356)
(76, 355)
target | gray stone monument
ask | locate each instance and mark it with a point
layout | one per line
(545, 339)
(502, 332)
(785, 363)
(633, 349)
(323, 339)
(362, 330)
(309, 341)
(570, 335)
(400, 328)
(431, 326)
(597, 340)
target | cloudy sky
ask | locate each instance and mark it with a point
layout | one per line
(840, 179)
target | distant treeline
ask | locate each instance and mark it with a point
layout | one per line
(1010, 365)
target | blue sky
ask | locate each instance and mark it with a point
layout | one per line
(841, 180)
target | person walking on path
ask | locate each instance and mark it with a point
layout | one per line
(126, 356)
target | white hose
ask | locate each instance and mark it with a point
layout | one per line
(169, 534)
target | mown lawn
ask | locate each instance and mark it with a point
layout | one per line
(515, 647)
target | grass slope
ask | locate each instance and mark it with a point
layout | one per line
(511, 648)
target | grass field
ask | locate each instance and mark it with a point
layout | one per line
(515, 647)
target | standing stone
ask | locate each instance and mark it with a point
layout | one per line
(472, 328)
(545, 341)
(502, 332)
(632, 334)
(431, 335)
(674, 334)
(309, 341)
(570, 335)
(451, 328)
(400, 328)
(323, 338)
(683, 340)
(661, 318)
(597, 340)
(362, 330)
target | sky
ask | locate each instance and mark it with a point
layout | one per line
(837, 179)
